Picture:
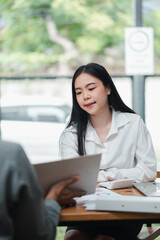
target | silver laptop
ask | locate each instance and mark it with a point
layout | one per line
(150, 189)
(86, 166)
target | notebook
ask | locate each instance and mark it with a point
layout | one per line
(150, 189)
(86, 166)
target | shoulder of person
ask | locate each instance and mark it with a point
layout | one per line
(132, 116)
(70, 129)
(12, 156)
(129, 117)
(68, 132)
(10, 148)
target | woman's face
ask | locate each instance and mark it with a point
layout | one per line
(91, 94)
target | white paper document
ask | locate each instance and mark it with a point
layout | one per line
(99, 192)
(86, 167)
(124, 203)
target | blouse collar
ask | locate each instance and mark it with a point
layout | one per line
(119, 119)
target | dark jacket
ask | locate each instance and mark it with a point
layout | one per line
(24, 215)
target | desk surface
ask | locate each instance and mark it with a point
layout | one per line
(78, 215)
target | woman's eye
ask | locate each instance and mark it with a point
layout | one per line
(78, 93)
(91, 89)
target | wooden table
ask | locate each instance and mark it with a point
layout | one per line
(77, 215)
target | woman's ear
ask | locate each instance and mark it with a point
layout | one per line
(108, 91)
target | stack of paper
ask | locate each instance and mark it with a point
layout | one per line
(122, 203)
(99, 192)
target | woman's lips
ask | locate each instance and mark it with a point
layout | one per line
(88, 105)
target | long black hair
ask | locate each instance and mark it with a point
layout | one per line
(79, 118)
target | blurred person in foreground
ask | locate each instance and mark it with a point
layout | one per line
(24, 214)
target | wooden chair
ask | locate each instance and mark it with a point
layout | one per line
(150, 231)
(158, 174)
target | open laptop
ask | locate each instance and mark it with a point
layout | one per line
(150, 189)
(86, 166)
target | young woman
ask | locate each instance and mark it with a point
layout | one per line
(101, 122)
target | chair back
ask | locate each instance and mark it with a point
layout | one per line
(158, 174)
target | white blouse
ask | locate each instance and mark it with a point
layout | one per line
(126, 153)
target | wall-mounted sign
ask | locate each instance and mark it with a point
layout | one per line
(139, 52)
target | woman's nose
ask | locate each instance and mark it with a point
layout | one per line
(86, 95)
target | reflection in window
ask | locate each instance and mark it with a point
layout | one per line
(35, 113)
